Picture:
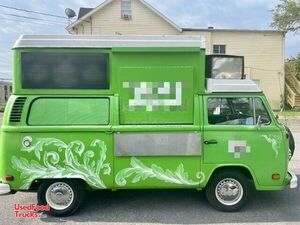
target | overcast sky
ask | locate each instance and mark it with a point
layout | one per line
(237, 14)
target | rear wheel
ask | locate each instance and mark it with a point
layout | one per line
(228, 191)
(63, 196)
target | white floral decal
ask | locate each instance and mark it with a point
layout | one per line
(275, 141)
(77, 162)
(143, 172)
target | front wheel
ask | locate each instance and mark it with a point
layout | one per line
(228, 191)
(63, 196)
(291, 142)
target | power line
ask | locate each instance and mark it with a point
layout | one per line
(27, 22)
(5, 71)
(32, 18)
(26, 17)
(31, 11)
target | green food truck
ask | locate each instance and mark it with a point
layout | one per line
(91, 113)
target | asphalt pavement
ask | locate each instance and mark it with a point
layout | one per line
(165, 207)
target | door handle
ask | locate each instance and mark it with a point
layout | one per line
(211, 142)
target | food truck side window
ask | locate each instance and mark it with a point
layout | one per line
(236, 111)
(69, 111)
(52, 70)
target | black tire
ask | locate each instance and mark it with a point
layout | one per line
(291, 142)
(78, 193)
(227, 176)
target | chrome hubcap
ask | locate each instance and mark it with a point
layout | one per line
(229, 191)
(59, 195)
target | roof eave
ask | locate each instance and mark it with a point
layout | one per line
(231, 30)
(161, 15)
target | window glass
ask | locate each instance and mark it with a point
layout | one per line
(222, 49)
(260, 110)
(64, 70)
(218, 106)
(227, 67)
(219, 49)
(69, 111)
(126, 9)
(230, 111)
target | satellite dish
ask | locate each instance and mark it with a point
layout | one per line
(70, 13)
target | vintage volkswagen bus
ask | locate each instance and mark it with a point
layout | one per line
(90, 113)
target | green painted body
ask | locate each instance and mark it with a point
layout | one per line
(87, 151)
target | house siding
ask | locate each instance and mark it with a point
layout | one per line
(263, 54)
(263, 50)
(264, 57)
(108, 21)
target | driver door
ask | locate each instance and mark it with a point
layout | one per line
(232, 137)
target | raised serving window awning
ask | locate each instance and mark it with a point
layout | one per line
(69, 41)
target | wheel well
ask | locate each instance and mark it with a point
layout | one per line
(36, 183)
(240, 169)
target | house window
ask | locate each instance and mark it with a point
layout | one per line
(126, 9)
(219, 49)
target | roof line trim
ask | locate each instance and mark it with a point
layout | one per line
(161, 15)
(238, 30)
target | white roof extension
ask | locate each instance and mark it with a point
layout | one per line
(70, 41)
(231, 85)
(105, 3)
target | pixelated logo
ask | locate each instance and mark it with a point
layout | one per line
(29, 210)
(238, 148)
(152, 95)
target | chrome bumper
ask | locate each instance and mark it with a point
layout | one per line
(294, 180)
(4, 189)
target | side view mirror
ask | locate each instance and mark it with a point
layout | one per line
(276, 116)
(258, 122)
